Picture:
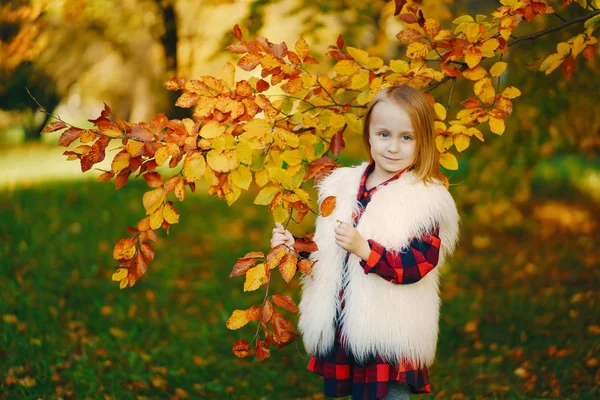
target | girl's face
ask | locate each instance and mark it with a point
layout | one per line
(392, 138)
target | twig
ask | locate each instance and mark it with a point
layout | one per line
(450, 96)
(554, 28)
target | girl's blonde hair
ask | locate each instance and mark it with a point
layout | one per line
(420, 111)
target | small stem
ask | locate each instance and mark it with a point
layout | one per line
(450, 96)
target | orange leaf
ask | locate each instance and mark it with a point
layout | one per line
(568, 66)
(275, 255)
(68, 136)
(241, 349)
(327, 206)
(124, 249)
(267, 311)
(187, 100)
(54, 126)
(409, 35)
(337, 143)
(261, 350)
(248, 62)
(285, 302)
(147, 250)
(105, 177)
(287, 267)
(301, 48)
(262, 85)
(243, 265)
(305, 266)
(153, 199)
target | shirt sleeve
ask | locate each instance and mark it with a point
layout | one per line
(407, 266)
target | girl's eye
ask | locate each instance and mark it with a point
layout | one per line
(384, 134)
(406, 137)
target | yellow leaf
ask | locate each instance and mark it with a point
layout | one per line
(461, 142)
(488, 47)
(217, 161)
(10, 318)
(497, 125)
(242, 177)
(399, 66)
(266, 195)
(262, 177)
(283, 137)
(119, 274)
(238, 319)
(550, 60)
(121, 161)
(281, 176)
(212, 130)
(301, 48)
(170, 214)
(417, 50)
(440, 111)
(346, 67)
(472, 58)
(563, 48)
(337, 121)
(579, 44)
(449, 161)
(484, 90)
(280, 215)
(255, 278)
(244, 151)
(359, 80)
(156, 218)
(229, 75)
(162, 155)
(364, 97)
(475, 74)
(116, 332)
(302, 195)
(194, 166)
(375, 62)
(511, 92)
(292, 157)
(354, 123)
(360, 56)
(498, 68)
(475, 132)
(472, 32)
(153, 199)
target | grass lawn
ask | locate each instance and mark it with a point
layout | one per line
(519, 317)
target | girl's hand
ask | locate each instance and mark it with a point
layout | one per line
(282, 236)
(348, 238)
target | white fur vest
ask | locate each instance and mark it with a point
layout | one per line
(392, 321)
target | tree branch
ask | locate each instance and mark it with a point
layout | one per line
(554, 28)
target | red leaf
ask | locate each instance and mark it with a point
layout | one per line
(340, 42)
(566, 3)
(262, 85)
(408, 18)
(153, 179)
(337, 55)
(141, 132)
(303, 245)
(589, 51)
(54, 126)
(285, 302)
(319, 167)
(305, 266)
(241, 349)
(471, 102)
(337, 143)
(568, 66)
(122, 178)
(237, 31)
(69, 136)
(310, 60)
(267, 311)
(280, 325)
(261, 350)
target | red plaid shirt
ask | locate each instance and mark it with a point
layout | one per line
(343, 375)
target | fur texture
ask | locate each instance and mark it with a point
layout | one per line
(393, 321)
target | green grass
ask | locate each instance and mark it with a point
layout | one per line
(525, 301)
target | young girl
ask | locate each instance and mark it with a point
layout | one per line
(369, 311)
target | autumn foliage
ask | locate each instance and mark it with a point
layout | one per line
(285, 127)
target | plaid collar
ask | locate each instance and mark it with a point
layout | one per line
(365, 194)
